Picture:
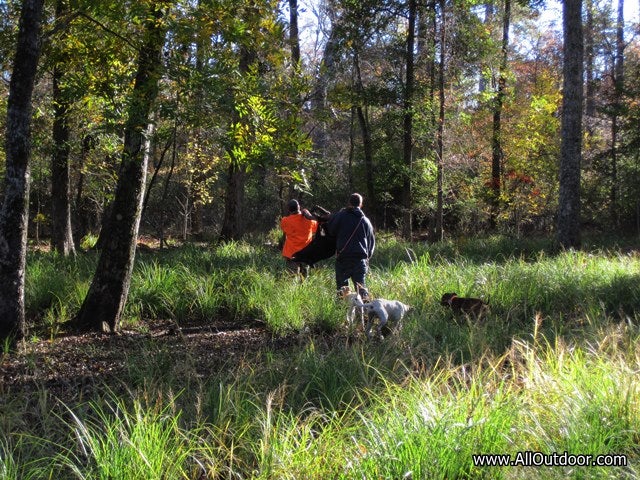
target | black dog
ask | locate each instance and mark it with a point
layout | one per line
(468, 306)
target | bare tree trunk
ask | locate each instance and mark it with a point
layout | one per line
(61, 233)
(407, 151)
(15, 207)
(156, 169)
(440, 131)
(496, 137)
(618, 76)
(232, 226)
(590, 104)
(294, 37)
(234, 200)
(352, 148)
(295, 111)
(365, 131)
(81, 209)
(367, 145)
(108, 292)
(326, 73)
(165, 189)
(427, 47)
(488, 20)
(568, 234)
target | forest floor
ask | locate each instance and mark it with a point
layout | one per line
(72, 365)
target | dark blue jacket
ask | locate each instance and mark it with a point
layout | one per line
(353, 232)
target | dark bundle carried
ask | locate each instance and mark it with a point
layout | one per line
(323, 245)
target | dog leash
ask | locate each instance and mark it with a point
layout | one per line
(352, 234)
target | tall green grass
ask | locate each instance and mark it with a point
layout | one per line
(129, 442)
(553, 368)
(239, 282)
(378, 420)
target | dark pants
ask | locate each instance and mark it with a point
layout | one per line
(297, 267)
(354, 269)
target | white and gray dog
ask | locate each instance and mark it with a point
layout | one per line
(384, 310)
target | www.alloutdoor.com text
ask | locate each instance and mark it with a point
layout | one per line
(540, 459)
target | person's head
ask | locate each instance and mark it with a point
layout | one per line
(293, 206)
(355, 200)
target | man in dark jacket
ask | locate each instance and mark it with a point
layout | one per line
(355, 243)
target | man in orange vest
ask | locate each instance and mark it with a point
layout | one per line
(298, 229)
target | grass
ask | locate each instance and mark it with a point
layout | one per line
(128, 442)
(552, 369)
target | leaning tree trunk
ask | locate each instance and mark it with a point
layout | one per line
(107, 295)
(15, 207)
(61, 233)
(568, 234)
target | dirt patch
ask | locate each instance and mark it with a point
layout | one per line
(71, 366)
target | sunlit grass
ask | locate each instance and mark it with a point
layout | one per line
(552, 368)
(240, 282)
(123, 441)
(356, 413)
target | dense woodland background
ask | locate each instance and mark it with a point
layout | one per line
(240, 99)
(209, 115)
(496, 146)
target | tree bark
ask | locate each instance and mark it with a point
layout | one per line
(568, 233)
(156, 169)
(294, 37)
(15, 207)
(496, 137)
(589, 52)
(367, 143)
(232, 226)
(407, 151)
(234, 200)
(326, 74)
(440, 130)
(82, 209)
(61, 233)
(165, 189)
(618, 76)
(103, 306)
(295, 112)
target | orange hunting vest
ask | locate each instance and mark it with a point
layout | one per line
(299, 233)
